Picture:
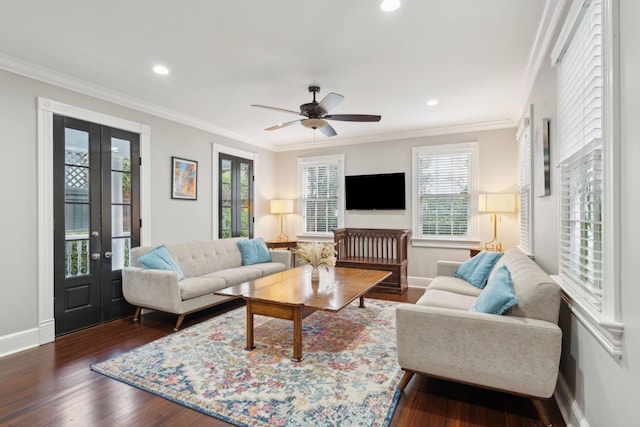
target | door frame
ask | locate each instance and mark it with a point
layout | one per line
(217, 149)
(46, 109)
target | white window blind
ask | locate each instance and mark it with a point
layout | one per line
(580, 93)
(445, 188)
(321, 194)
(524, 187)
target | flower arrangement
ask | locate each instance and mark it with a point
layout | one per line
(317, 254)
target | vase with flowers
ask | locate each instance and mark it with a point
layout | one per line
(317, 255)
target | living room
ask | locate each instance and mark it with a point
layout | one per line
(597, 378)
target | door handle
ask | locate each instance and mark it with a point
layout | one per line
(95, 256)
(108, 254)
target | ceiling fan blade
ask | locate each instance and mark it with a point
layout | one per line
(353, 117)
(282, 125)
(277, 109)
(328, 130)
(329, 102)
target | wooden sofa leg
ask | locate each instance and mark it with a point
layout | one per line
(542, 411)
(179, 322)
(405, 379)
(136, 316)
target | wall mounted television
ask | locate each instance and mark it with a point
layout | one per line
(375, 192)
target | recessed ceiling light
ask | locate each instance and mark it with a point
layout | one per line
(161, 69)
(432, 102)
(389, 5)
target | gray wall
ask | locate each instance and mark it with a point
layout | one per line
(601, 389)
(171, 220)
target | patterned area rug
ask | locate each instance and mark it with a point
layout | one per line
(349, 375)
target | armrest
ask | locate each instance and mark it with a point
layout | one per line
(283, 257)
(155, 289)
(446, 268)
(508, 353)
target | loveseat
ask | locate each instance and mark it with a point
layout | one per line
(206, 266)
(517, 351)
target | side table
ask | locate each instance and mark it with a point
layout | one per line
(284, 244)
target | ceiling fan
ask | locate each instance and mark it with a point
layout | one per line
(317, 113)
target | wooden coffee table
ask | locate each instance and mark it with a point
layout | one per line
(291, 295)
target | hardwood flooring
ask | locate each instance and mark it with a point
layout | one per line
(52, 385)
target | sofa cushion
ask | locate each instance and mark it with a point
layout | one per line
(498, 296)
(253, 251)
(197, 286)
(476, 270)
(237, 275)
(445, 299)
(203, 257)
(453, 284)
(159, 258)
(268, 268)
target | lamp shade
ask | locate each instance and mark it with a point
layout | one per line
(279, 206)
(497, 203)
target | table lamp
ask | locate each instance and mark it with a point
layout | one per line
(496, 203)
(281, 207)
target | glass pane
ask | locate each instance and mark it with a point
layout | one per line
(76, 147)
(225, 171)
(120, 154)
(120, 249)
(120, 187)
(76, 184)
(76, 220)
(76, 258)
(120, 220)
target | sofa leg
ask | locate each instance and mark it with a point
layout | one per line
(179, 322)
(405, 379)
(542, 411)
(136, 316)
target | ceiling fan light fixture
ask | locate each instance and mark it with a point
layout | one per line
(314, 123)
(390, 5)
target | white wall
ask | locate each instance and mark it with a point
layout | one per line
(171, 220)
(498, 154)
(595, 390)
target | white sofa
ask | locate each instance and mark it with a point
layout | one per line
(208, 266)
(517, 352)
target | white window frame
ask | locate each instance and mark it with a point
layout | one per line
(303, 162)
(525, 193)
(603, 322)
(472, 240)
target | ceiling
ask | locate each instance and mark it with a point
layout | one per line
(474, 57)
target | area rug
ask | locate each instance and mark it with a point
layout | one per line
(349, 375)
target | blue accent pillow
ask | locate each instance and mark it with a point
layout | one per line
(498, 296)
(476, 270)
(159, 258)
(253, 251)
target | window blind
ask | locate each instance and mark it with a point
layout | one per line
(321, 197)
(580, 92)
(524, 188)
(444, 195)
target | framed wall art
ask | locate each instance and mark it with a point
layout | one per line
(541, 160)
(184, 179)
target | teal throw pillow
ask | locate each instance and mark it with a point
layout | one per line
(159, 258)
(253, 251)
(476, 270)
(498, 296)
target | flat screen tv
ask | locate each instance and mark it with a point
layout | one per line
(375, 192)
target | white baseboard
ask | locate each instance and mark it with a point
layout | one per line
(418, 282)
(19, 341)
(569, 408)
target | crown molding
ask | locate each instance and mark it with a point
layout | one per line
(554, 11)
(419, 133)
(65, 81)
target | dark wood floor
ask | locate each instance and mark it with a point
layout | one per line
(52, 385)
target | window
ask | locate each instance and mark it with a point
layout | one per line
(524, 188)
(235, 192)
(322, 180)
(444, 193)
(587, 142)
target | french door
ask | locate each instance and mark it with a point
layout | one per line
(96, 220)
(235, 196)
